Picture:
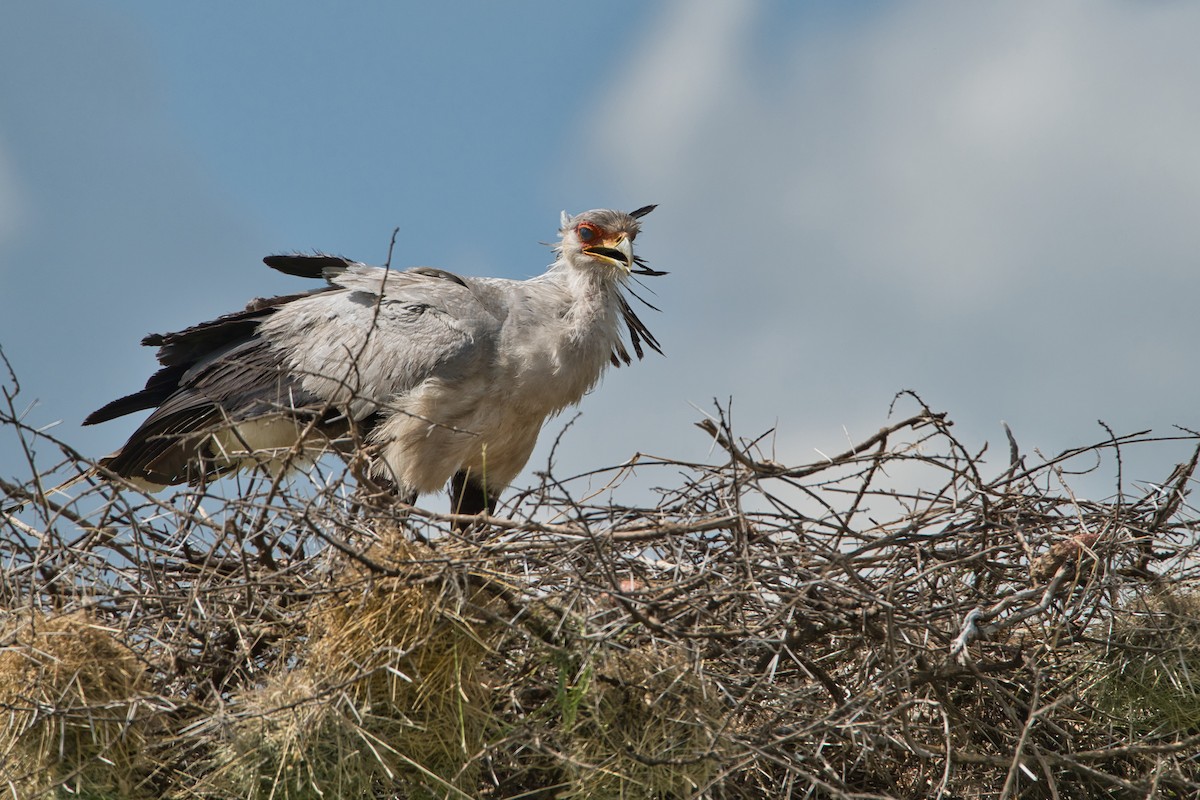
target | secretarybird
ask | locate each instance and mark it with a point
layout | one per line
(440, 378)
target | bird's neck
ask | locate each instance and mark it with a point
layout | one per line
(593, 295)
(561, 330)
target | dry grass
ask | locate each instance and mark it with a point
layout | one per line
(1149, 672)
(644, 723)
(904, 620)
(389, 691)
(78, 708)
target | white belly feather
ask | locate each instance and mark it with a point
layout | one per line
(489, 426)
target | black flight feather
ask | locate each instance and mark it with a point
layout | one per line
(306, 266)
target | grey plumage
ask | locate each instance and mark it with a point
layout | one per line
(441, 376)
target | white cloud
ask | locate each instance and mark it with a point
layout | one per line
(672, 90)
(931, 141)
(994, 204)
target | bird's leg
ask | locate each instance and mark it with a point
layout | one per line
(375, 493)
(468, 496)
(377, 490)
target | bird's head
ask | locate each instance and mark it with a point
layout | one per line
(601, 238)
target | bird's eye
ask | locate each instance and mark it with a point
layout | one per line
(587, 233)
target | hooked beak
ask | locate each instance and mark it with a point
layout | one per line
(620, 255)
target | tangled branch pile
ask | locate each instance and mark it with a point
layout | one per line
(887, 622)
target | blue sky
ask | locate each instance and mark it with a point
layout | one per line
(994, 204)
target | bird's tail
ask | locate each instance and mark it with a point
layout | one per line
(43, 497)
(99, 470)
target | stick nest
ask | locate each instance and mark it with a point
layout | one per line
(905, 619)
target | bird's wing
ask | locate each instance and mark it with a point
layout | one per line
(241, 381)
(385, 333)
(303, 265)
(185, 352)
(329, 356)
